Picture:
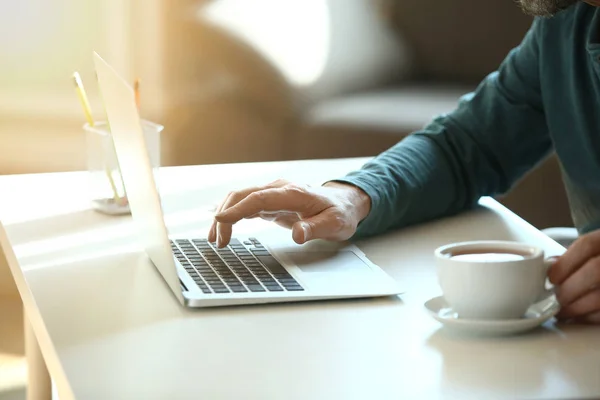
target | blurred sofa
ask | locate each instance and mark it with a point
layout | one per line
(270, 80)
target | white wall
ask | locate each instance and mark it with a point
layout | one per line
(42, 42)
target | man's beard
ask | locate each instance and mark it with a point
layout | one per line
(545, 8)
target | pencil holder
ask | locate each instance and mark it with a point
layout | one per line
(106, 188)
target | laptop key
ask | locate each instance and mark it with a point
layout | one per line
(263, 273)
(274, 288)
(271, 263)
(260, 252)
(256, 288)
(256, 271)
(238, 289)
(224, 272)
(222, 290)
(264, 280)
(288, 281)
(295, 288)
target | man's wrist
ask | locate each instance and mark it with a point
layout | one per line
(358, 197)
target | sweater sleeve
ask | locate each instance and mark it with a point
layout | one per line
(494, 136)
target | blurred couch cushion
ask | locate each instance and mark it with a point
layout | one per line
(398, 110)
(367, 123)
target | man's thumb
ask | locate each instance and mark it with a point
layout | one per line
(309, 229)
(301, 232)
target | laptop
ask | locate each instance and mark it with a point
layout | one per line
(250, 270)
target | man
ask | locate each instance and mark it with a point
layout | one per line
(545, 96)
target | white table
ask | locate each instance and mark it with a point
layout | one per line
(109, 328)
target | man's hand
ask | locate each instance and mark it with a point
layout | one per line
(576, 275)
(330, 212)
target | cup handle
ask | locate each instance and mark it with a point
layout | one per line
(548, 292)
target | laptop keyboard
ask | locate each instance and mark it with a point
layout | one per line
(233, 269)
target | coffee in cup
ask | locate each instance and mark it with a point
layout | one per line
(492, 279)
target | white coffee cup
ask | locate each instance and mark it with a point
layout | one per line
(492, 279)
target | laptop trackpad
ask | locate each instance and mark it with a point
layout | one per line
(328, 262)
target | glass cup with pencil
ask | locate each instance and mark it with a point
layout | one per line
(108, 194)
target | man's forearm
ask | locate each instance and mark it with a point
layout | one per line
(411, 182)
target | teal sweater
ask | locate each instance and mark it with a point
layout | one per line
(544, 97)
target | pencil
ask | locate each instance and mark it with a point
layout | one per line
(136, 89)
(83, 98)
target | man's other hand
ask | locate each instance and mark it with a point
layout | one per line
(576, 275)
(330, 212)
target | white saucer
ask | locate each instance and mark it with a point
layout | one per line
(534, 317)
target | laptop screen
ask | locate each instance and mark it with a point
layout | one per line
(136, 171)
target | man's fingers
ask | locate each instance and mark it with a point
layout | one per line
(325, 225)
(579, 252)
(221, 232)
(212, 233)
(268, 200)
(589, 303)
(582, 281)
(224, 230)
